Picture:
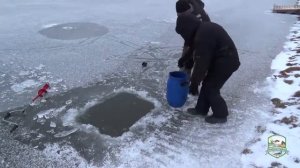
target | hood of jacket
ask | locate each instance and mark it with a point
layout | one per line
(201, 4)
(186, 26)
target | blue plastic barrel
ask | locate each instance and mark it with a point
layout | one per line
(177, 88)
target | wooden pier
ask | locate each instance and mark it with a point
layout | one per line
(288, 9)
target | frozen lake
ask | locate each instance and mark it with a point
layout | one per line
(91, 50)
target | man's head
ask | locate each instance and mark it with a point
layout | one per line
(186, 26)
(183, 7)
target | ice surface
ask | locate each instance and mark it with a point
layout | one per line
(163, 138)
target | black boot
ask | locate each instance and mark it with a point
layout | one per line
(214, 120)
(194, 112)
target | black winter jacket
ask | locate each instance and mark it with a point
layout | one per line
(197, 10)
(214, 50)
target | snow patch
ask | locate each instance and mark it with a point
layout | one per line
(20, 87)
(279, 63)
(66, 154)
(284, 119)
(280, 89)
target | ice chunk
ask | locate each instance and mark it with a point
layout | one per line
(45, 114)
(41, 120)
(68, 102)
(43, 100)
(69, 117)
(52, 124)
(50, 113)
(40, 136)
(65, 133)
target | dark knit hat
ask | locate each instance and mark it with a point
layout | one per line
(182, 6)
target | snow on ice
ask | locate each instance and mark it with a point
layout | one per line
(284, 120)
(20, 87)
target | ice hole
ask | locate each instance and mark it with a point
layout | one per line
(72, 31)
(117, 114)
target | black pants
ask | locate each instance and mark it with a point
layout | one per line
(210, 94)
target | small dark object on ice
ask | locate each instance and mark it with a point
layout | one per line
(13, 128)
(278, 103)
(7, 116)
(247, 151)
(276, 164)
(144, 64)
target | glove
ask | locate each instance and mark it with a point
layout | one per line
(189, 64)
(181, 62)
(193, 89)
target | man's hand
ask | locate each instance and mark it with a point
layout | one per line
(193, 89)
(189, 63)
(181, 62)
(186, 54)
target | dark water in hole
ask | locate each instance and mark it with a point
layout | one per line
(117, 114)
